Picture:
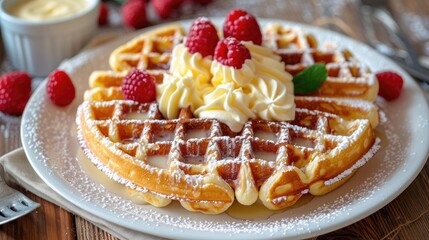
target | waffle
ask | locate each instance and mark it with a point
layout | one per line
(150, 50)
(202, 163)
(299, 50)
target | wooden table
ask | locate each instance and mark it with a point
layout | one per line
(406, 217)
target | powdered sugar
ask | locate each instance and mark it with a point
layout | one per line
(357, 165)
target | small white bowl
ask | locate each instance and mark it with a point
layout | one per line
(38, 47)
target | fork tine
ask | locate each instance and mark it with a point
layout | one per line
(17, 208)
(13, 204)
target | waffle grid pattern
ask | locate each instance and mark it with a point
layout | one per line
(151, 50)
(299, 50)
(206, 166)
(195, 151)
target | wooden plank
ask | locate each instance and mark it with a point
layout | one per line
(87, 230)
(46, 222)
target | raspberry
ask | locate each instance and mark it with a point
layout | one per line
(202, 37)
(165, 7)
(60, 88)
(390, 85)
(134, 14)
(15, 90)
(230, 52)
(103, 16)
(139, 86)
(243, 26)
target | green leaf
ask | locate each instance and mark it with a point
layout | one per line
(310, 79)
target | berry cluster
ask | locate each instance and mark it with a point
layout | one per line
(239, 26)
(134, 12)
(15, 90)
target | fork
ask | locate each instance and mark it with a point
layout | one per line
(406, 57)
(13, 204)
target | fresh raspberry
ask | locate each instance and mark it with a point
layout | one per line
(15, 90)
(60, 88)
(202, 37)
(230, 52)
(390, 85)
(134, 14)
(103, 16)
(243, 26)
(139, 86)
(164, 7)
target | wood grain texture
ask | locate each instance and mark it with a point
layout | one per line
(48, 222)
(406, 217)
(87, 230)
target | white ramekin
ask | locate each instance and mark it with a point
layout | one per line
(38, 47)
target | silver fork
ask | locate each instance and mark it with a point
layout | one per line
(405, 55)
(13, 204)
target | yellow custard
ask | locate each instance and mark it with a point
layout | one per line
(46, 9)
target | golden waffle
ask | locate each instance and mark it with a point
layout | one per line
(203, 164)
(150, 50)
(299, 50)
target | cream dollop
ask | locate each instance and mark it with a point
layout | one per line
(272, 88)
(46, 9)
(240, 77)
(186, 64)
(178, 92)
(227, 104)
(271, 100)
(261, 88)
(188, 80)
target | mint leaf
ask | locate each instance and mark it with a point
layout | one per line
(310, 79)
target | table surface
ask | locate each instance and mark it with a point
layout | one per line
(406, 217)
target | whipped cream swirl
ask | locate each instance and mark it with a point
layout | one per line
(178, 92)
(240, 77)
(186, 64)
(260, 89)
(227, 104)
(272, 88)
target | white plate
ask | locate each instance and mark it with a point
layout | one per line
(49, 141)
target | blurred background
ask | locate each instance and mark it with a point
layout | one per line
(345, 16)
